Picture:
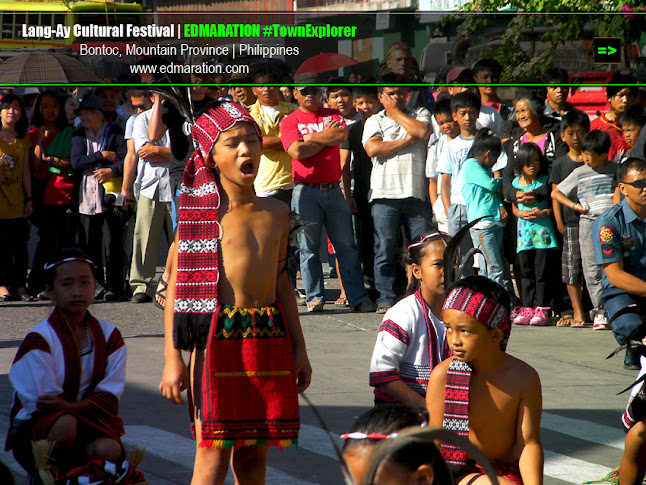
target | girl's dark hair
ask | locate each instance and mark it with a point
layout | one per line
(22, 124)
(37, 116)
(385, 419)
(485, 141)
(65, 253)
(417, 250)
(525, 154)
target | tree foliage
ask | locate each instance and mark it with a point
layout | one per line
(565, 20)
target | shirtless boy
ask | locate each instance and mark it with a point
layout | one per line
(232, 306)
(504, 416)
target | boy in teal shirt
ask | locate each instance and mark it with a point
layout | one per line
(481, 192)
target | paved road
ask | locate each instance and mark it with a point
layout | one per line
(580, 425)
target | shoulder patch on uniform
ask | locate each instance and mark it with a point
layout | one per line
(606, 236)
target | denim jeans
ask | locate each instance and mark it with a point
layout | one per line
(318, 208)
(489, 242)
(456, 219)
(625, 313)
(591, 271)
(387, 215)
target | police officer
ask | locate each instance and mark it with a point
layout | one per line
(620, 248)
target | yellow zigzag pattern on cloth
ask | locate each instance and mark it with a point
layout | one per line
(253, 331)
(231, 311)
(234, 322)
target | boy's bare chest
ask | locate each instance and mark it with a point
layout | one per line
(248, 233)
(492, 408)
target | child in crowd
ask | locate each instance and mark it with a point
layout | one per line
(449, 130)
(631, 126)
(240, 324)
(482, 194)
(68, 375)
(465, 107)
(621, 96)
(574, 126)
(594, 185)
(414, 464)
(536, 239)
(356, 175)
(490, 397)
(411, 340)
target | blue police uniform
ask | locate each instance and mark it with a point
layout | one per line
(619, 235)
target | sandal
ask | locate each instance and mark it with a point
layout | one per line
(160, 294)
(565, 321)
(578, 324)
(315, 306)
(341, 301)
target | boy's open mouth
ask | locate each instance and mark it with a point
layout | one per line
(247, 168)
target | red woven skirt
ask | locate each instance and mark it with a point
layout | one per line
(248, 392)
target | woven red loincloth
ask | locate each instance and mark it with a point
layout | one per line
(248, 394)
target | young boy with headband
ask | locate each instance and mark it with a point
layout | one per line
(232, 306)
(490, 397)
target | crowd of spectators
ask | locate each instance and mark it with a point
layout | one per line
(372, 167)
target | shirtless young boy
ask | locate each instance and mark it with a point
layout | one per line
(232, 306)
(489, 396)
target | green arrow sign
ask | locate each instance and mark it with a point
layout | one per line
(607, 50)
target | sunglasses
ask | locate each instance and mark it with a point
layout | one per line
(638, 184)
(138, 106)
(310, 90)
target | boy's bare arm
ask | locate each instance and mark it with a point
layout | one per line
(175, 377)
(446, 191)
(435, 394)
(285, 295)
(432, 190)
(529, 421)
(560, 197)
(558, 214)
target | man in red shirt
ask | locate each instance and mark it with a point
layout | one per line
(311, 135)
(620, 98)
